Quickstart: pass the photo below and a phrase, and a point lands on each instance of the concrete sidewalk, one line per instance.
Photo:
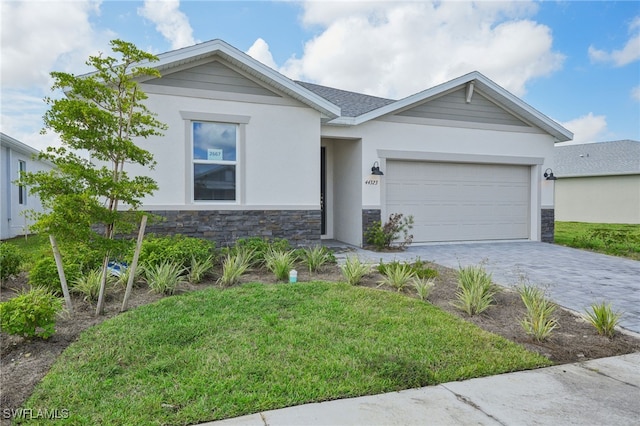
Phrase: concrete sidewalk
(599, 392)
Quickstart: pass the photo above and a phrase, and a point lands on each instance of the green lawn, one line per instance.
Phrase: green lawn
(614, 239)
(215, 353)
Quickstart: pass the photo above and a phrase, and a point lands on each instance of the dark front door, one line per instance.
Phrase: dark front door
(323, 190)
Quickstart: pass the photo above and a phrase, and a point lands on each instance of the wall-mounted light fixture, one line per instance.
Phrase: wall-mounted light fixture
(549, 175)
(375, 170)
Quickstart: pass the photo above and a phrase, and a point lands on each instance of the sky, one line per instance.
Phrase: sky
(576, 62)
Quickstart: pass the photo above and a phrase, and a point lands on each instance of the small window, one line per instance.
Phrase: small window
(22, 190)
(214, 161)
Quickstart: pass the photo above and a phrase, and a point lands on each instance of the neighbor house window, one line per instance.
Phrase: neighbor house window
(22, 190)
(215, 147)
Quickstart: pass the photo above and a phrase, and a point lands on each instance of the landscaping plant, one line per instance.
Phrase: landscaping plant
(199, 269)
(234, 266)
(316, 257)
(538, 321)
(394, 232)
(397, 275)
(354, 270)
(259, 247)
(88, 284)
(177, 249)
(10, 260)
(423, 287)
(475, 290)
(165, 277)
(603, 318)
(280, 263)
(31, 313)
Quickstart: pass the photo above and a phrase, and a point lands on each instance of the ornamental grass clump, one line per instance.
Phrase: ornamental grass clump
(280, 263)
(164, 278)
(538, 321)
(423, 287)
(475, 290)
(316, 257)
(397, 275)
(354, 270)
(234, 266)
(603, 318)
(88, 284)
(199, 269)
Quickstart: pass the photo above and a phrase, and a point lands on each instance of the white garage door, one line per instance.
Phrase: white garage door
(460, 202)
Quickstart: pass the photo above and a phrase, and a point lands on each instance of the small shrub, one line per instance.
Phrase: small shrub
(31, 313)
(88, 284)
(423, 287)
(475, 290)
(384, 236)
(259, 247)
(176, 249)
(603, 318)
(10, 260)
(538, 321)
(234, 266)
(316, 257)
(353, 270)
(165, 277)
(383, 267)
(397, 276)
(45, 274)
(199, 269)
(423, 271)
(280, 263)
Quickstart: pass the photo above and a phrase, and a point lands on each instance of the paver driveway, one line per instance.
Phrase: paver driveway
(574, 278)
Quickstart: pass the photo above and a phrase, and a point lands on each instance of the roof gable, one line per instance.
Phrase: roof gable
(212, 75)
(476, 81)
(598, 159)
(456, 106)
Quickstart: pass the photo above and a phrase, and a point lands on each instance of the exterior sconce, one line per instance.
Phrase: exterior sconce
(549, 176)
(375, 170)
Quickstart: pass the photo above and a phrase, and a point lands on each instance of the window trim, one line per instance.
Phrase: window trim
(241, 121)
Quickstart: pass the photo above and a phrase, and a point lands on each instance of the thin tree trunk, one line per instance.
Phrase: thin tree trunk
(134, 264)
(63, 279)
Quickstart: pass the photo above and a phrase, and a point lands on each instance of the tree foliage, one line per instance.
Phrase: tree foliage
(98, 122)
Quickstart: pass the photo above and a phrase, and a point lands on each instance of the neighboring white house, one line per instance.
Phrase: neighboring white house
(15, 157)
(598, 182)
(250, 152)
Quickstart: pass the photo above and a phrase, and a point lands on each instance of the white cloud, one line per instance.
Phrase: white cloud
(170, 21)
(635, 93)
(394, 49)
(40, 36)
(260, 52)
(588, 128)
(629, 53)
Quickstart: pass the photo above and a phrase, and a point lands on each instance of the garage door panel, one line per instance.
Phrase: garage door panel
(457, 202)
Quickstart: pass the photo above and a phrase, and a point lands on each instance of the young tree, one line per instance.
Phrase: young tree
(97, 121)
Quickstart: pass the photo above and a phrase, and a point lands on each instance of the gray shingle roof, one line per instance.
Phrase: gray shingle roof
(598, 159)
(352, 104)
